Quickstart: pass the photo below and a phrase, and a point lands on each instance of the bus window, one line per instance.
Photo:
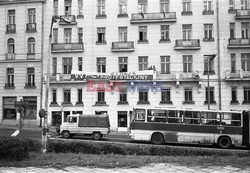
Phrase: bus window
(191, 117)
(174, 117)
(210, 118)
(155, 115)
(140, 115)
(231, 119)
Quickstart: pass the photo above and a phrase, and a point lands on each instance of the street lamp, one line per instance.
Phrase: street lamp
(210, 58)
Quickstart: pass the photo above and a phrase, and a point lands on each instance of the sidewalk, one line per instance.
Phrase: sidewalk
(157, 168)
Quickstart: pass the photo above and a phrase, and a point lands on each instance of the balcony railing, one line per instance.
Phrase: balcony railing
(10, 56)
(242, 14)
(67, 20)
(9, 86)
(153, 17)
(60, 77)
(238, 75)
(67, 47)
(31, 27)
(123, 46)
(238, 43)
(30, 85)
(11, 28)
(178, 75)
(187, 44)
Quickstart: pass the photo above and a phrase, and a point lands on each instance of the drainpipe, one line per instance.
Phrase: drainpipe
(218, 51)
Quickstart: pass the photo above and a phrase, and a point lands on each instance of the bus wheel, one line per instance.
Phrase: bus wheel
(157, 138)
(97, 135)
(66, 134)
(224, 142)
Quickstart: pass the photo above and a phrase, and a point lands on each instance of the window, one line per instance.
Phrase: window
(244, 30)
(55, 35)
(123, 96)
(54, 96)
(54, 66)
(246, 94)
(232, 30)
(65, 115)
(187, 31)
(140, 115)
(100, 7)
(208, 6)
(165, 33)
(31, 108)
(142, 6)
(79, 96)
(233, 63)
(80, 34)
(66, 96)
(187, 63)
(80, 8)
(143, 95)
(166, 95)
(55, 7)
(208, 32)
(234, 95)
(9, 110)
(101, 96)
(191, 117)
(30, 77)
(11, 17)
(31, 45)
(188, 95)
(143, 34)
(186, 6)
(67, 65)
(122, 6)
(101, 112)
(231, 5)
(123, 34)
(101, 35)
(32, 15)
(67, 35)
(67, 7)
(143, 63)
(101, 65)
(164, 6)
(244, 4)
(123, 64)
(72, 119)
(11, 47)
(211, 91)
(10, 77)
(208, 65)
(165, 64)
(122, 118)
(80, 63)
(245, 61)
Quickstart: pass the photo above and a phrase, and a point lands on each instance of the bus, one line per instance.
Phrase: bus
(160, 125)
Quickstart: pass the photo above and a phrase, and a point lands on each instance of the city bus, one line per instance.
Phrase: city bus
(160, 125)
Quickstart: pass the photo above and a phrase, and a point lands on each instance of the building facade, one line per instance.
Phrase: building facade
(163, 53)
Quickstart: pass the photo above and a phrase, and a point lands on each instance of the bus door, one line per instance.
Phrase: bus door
(246, 128)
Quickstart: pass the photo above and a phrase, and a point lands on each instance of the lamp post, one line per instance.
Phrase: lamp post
(210, 58)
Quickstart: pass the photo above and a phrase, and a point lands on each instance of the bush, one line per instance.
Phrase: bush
(128, 149)
(17, 149)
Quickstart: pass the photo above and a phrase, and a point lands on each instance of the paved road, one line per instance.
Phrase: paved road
(157, 168)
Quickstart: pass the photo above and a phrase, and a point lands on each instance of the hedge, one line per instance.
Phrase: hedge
(130, 149)
(17, 149)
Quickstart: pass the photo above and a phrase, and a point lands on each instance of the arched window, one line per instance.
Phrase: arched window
(31, 45)
(11, 46)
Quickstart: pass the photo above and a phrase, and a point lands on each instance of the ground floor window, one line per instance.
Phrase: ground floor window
(9, 110)
(66, 114)
(31, 109)
(56, 118)
(122, 118)
(101, 112)
(77, 112)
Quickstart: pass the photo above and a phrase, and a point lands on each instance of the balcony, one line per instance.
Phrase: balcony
(10, 56)
(123, 46)
(9, 86)
(30, 85)
(242, 14)
(66, 47)
(238, 43)
(238, 75)
(10, 28)
(30, 27)
(178, 75)
(153, 17)
(192, 44)
(67, 20)
(60, 78)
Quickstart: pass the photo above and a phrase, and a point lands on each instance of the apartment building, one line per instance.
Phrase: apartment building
(21, 55)
(163, 53)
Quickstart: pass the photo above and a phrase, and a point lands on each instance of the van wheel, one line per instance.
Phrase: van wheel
(66, 134)
(97, 135)
(224, 142)
(157, 138)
